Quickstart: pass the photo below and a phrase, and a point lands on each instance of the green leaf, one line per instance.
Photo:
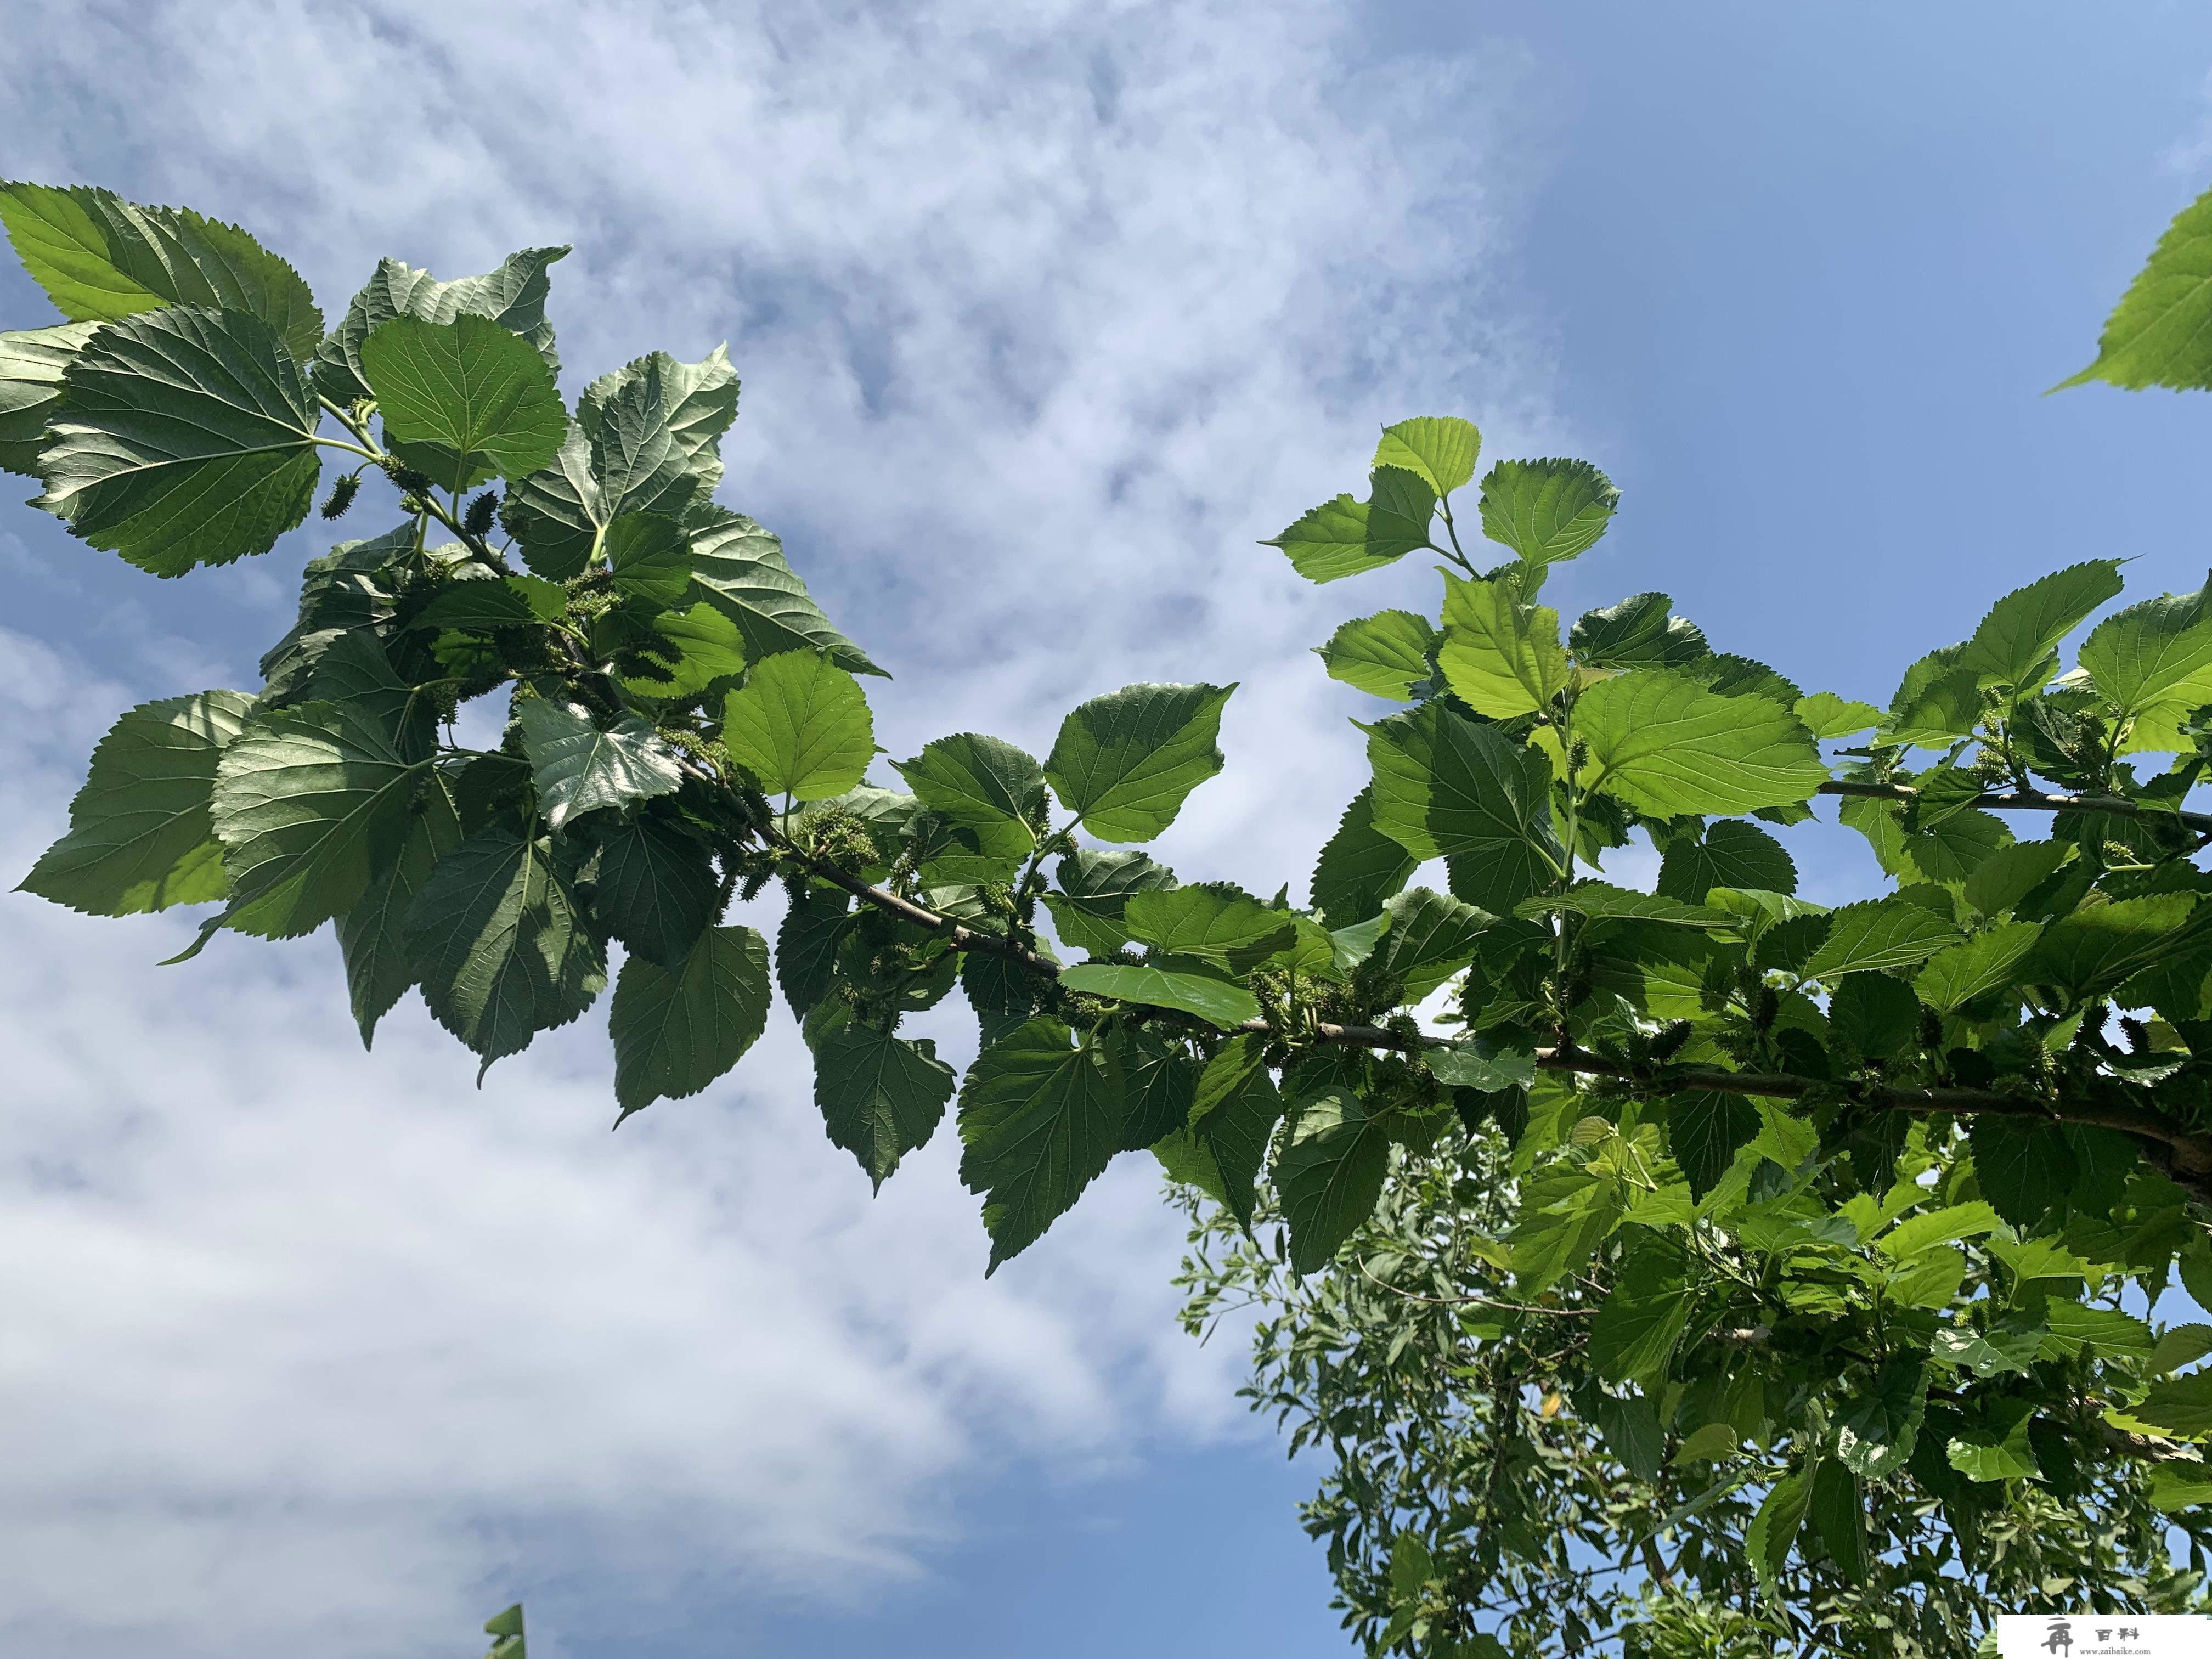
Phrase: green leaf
(1891, 932)
(1726, 854)
(513, 296)
(1233, 1117)
(1227, 1006)
(1360, 866)
(1502, 657)
(1641, 1320)
(801, 725)
(32, 361)
(98, 258)
(1934, 1228)
(1212, 921)
(372, 933)
(1040, 1119)
(1704, 1132)
(2153, 656)
(676, 1030)
(1640, 632)
(464, 400)
(1159, 1084)
(2178, 1486)
(2182, 1346)
(1441, 450)
(1125, 762)
(1430, 939)
(1481, 1063)
(1955, 977)
(1095, 888)
(1565, 1212)
(1329, 1173)
(1839, 1512)
(2160, 332)
(479, 607)
(1344, 538)
(1667, 745)
(652, 888)
(499, 945)
(740, 568)
(2098, 945)
(187, 438)
(2099, 1332)
(1546, 511)
(579, 768)
(2010, 874)
(2181, 1405)
(1827, 715)
(1774, 1529)
(2014, 644)
(1876, 1428)
(2024, 1166)
(648, 560)
(309, 803)
(984, 783)
(2001, 1451)
(1383, 654)
(655, 427)
(806, 945)
(140, 836)
(881, 1097)
(700, 650)
(1446, 786)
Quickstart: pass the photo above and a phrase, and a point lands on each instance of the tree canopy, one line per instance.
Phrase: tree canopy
(1796, 1254)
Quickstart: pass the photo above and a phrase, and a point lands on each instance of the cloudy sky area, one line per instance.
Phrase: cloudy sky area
(1046, 314)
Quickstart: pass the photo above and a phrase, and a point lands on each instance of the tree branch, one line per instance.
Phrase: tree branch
(2031, 800)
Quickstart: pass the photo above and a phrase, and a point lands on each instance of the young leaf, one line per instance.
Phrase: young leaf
(1704, 1132)
(499, 946)
(1213, 921)
(801, 724)
(32, 361)
(1827, 715)
(141, 836)
(464, 401)
(1095, 889)
(513, 296)
(1501, 657)
(1360, 866)
(740, 568)
(1344, 538)
(2160, 332)
(309, 803)
(1383, 654)
(1726, 853)
(2153, 656)
(1891, 932)
(371, 934)
(1225, 1004)
(1125, 762)
(1546, 511)
(579, 768)
(187, 438)
(2015, 642)
(654, 428)
(1445, 786)
(652, 888)
(1957, 975)
(1233, 1115)
(983, 782)
(676, 1030)
(1430, 939)
(98, 258)
(1639, 1322)
(1330, 1173)
(880, 1097)
(1640, 632)
(648, 560)
(1667, 745)
(1440, 450)
(1040, 1119)
(704, 651)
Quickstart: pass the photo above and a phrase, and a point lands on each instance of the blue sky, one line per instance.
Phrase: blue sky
(1046, 315)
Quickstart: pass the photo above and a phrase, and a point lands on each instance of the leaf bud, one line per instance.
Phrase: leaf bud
(478, 519)
(344, 488)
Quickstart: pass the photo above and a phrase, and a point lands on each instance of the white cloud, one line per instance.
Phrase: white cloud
(1046, 314)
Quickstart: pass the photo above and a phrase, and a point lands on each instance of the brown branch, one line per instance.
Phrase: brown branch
(2031, 800)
